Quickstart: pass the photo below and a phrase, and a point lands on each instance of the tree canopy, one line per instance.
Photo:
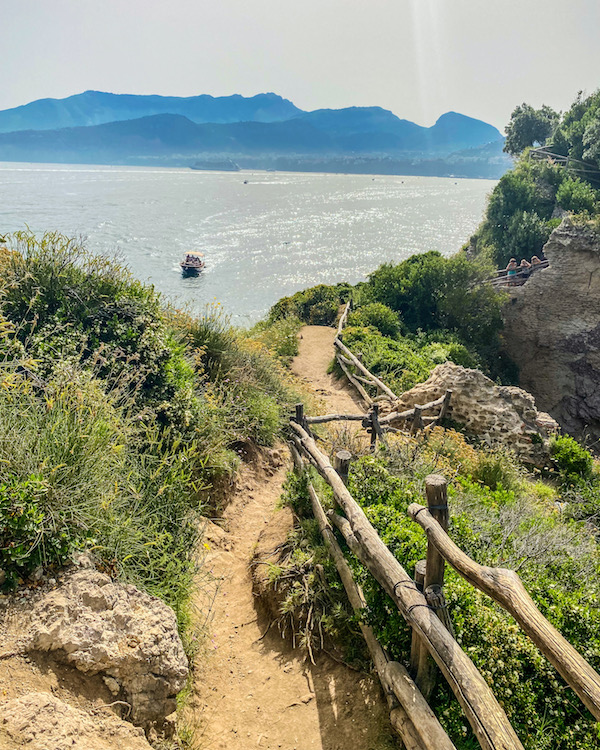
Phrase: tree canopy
(529, 127)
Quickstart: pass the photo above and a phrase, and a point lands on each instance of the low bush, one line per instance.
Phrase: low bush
(119, 416)
(378, 316)
(577, 196)
(316, 306)
(279, 337)
(571, 459)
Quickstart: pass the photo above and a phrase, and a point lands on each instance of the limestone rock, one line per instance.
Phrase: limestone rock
(41, 721)
(102, 627)
(499, 415)
(552, 329)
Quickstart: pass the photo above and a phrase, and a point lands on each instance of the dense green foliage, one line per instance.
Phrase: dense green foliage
(501, 519)
(409, 317)
(120, 418)
(529, 127)
(318, 305)
(578, 133)
(406, 361)
(518, 218)
(572, 460)
(379, 316)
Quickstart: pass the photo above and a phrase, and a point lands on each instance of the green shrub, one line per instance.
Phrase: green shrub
(379, 316)
(571, 459)
(323, 313)
(497, 469)
(280, 337)
(577, 196)
(317, 306)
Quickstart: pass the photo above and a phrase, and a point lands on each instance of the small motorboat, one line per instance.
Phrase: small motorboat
(193, 263)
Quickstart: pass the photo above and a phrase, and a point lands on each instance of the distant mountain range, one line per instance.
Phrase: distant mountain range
(258, 132)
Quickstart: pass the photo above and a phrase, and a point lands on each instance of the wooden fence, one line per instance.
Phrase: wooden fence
(425, 611)
(413, 419)
(421, 601)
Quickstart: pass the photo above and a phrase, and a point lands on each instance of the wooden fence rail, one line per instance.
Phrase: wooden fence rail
(430, 636)
(488, 720)
(505, 587)
(347, 360)
(410, 715)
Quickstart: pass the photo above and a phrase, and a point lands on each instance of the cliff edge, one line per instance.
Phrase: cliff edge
(552, 330)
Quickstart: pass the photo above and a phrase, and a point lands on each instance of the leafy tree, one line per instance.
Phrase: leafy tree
(591, 140)
(576, 195)
(528, 127)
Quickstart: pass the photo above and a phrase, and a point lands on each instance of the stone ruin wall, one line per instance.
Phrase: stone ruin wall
(498, 415)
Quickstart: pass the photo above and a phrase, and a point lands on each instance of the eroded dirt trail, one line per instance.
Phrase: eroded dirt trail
(315, 353)
(253, 690)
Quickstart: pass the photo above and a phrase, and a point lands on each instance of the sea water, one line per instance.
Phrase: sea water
(265, 235)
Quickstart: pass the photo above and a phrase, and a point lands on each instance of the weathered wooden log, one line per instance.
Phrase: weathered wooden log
(344, 318)
(436, 490)
(416, 643)
(428, 727)
(365, 396)
(505, 587)
(489, 722)
(296, 457)
(359, 365)
(417, 421)
(361, 379)
(445, 405)
(409, 413)
(299, 415)
(335, 418)
(437, 601)
(345, 360)
(395, 677)
(408, 720)
(341, 463)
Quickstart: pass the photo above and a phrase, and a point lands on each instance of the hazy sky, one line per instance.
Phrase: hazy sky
(419, 58)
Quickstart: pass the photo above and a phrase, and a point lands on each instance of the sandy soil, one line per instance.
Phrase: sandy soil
(315, 353)
(252, 689)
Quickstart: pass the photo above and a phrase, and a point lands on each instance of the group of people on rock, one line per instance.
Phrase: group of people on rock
(523, 269)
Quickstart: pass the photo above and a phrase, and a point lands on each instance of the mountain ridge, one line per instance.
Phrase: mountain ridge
(261, 128)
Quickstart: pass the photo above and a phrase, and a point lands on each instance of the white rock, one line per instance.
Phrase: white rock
(100, 626)
(41, 721)
(499, 415)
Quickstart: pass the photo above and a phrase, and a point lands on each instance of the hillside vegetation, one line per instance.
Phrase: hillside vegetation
(121, 419)
(543, 523)
(529, 201)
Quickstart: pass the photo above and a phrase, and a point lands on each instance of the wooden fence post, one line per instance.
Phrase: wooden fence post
(417, 423)
(299, 416)
(416, 643)
(341, 463)
(437, 504)
(445, 406)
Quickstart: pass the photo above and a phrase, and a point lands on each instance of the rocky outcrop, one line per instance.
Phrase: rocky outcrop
(552, 330)
(41, 721)
(103, 627)
(499, 415)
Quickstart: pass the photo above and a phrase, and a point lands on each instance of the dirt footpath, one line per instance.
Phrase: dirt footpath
(252, 689)
(314, 356)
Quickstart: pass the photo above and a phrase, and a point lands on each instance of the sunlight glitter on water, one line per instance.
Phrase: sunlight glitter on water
(279, 233)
